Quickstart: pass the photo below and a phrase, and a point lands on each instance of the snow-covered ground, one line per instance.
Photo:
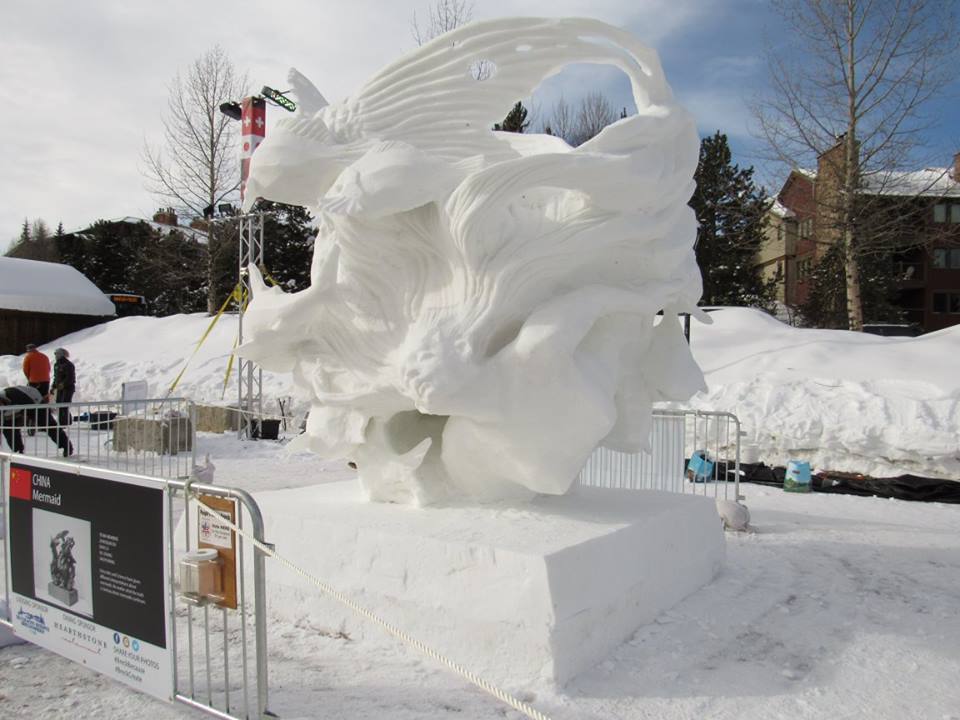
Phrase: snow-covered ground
(842, 400)
(836, 606)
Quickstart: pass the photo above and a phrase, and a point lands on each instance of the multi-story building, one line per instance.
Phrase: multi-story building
(919, 213)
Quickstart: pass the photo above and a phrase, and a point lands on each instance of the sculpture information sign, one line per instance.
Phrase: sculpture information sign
(88, 573)
(218, 535)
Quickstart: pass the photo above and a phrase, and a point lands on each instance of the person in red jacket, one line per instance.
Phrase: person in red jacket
(36, 366)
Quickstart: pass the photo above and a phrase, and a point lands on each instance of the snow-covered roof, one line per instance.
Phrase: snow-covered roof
(781, 210)
(930, 182)
(162, 228)
(34, 286)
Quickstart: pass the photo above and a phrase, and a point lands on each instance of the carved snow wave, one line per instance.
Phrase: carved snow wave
(483, 305)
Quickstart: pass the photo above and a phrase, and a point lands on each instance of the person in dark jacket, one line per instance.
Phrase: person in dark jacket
(41, 418)
(64, 382)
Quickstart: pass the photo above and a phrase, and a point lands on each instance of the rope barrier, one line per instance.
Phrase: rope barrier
(489, 688)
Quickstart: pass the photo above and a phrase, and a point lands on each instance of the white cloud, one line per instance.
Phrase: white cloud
(83, 84)
(721, 109)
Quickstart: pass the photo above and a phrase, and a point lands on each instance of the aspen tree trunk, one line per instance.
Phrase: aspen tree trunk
(851, 180)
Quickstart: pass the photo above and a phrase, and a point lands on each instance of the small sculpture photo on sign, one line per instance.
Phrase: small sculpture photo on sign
(62, 561)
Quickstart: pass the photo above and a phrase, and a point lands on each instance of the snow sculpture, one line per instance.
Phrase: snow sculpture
(483, 308)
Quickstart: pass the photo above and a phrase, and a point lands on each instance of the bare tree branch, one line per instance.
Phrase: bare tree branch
(444, 16)
(849, 94)
(593, 115)
(197, 165)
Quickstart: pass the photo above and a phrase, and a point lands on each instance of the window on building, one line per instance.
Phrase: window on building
(779, 269)
(946, 302)
(946, 212)
(804, 268)
(806, 228)
(944, 258)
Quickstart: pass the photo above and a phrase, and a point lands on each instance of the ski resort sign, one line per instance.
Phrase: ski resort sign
(88, 574)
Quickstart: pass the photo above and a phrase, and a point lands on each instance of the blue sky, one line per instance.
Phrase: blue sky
(83, 84)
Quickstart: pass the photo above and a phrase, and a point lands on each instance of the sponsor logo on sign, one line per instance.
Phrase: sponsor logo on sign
(34, 623)
(215, 532)
(80, 633)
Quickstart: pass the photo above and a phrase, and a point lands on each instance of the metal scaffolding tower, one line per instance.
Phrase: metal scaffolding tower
(250, 375)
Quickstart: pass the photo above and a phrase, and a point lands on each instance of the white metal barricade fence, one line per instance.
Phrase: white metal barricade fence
(691, 451)
(219, 653)
(145, 437)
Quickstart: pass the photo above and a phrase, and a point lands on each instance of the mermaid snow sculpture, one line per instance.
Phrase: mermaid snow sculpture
(484, 306)
(63, 569)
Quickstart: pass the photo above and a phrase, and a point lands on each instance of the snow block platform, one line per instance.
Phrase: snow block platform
(521, 594)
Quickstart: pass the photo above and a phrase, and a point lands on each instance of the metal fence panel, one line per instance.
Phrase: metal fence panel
(155, 437)
(676, 437)
(220, 654)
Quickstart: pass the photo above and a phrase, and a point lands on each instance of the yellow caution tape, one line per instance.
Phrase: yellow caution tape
(242, 299)
(234, 295)
(233, 351)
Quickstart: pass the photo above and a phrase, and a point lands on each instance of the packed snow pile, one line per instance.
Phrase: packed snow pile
(155, 350)
(843, 400)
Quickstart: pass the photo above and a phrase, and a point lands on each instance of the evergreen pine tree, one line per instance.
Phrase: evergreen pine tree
(289, 250)
(826, 304)
(730, 210)
(515, 121)
(112, 253)
(288, 238)
(72, 249)
(17, 245)
(172, 275)
(34, 243)
(40, 231)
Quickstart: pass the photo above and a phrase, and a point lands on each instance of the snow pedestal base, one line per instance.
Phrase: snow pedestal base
(519, 594)
(67, 597)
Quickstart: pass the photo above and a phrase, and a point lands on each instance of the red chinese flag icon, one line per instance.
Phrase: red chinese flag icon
(20, 483)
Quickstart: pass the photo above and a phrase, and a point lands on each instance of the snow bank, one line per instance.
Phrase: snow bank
(155, 350)
(843, 400)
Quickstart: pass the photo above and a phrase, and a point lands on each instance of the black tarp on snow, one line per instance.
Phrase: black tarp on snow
(903, 487)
